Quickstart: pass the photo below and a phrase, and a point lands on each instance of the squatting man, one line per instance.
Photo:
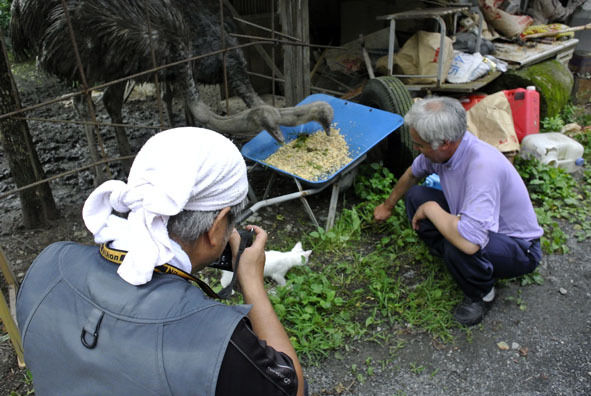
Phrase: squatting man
(482, 223)
(122, 319)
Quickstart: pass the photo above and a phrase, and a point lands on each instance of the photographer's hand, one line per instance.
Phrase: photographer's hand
(264, 321)
(234, 242)
(252, 260)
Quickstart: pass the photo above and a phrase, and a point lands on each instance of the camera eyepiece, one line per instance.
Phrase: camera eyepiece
(225, 261)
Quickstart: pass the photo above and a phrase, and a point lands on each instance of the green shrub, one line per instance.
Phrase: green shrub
(5, 14)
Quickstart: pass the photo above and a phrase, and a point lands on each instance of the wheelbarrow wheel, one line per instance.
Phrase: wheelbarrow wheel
(389, 93)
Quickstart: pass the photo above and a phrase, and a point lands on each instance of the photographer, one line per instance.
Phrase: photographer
(122, 318)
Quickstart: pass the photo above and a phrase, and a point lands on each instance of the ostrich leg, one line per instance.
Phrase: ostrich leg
(240, 85)
(247, 93)
(80, 104)
(113, 100)
(167, 97)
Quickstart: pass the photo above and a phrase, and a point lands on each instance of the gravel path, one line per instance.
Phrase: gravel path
(549, 345)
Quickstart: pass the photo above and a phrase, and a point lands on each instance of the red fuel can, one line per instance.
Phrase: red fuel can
(469, 101)
(525, 106)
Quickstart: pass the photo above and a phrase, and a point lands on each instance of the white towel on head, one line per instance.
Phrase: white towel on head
(182, 168)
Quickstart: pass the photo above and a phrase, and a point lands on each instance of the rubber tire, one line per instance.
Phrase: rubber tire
(389, 93)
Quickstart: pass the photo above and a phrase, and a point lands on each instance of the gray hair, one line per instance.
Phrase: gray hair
(188, 225)
(437, 120)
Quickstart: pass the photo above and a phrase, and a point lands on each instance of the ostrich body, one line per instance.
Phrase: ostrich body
(113, 39)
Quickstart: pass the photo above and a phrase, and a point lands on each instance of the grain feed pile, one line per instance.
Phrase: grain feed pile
(312, 156)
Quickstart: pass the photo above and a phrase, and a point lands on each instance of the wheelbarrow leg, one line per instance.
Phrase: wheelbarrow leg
(268, 188)
(306, 204)
(344, 181)
(332, 208)
(252, 197)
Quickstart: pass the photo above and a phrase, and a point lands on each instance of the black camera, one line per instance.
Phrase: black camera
(225, 261)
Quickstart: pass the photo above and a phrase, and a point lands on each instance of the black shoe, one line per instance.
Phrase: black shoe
(470, 312)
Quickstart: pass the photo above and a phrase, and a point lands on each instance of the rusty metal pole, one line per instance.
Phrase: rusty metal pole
(226, 89)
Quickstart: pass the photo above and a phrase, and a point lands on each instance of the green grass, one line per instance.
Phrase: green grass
(557, 196)
(27, 384)
(363, 290)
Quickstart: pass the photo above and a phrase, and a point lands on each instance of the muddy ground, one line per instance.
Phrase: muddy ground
(546, 327)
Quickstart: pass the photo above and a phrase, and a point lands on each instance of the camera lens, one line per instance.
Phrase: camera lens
(225, 261)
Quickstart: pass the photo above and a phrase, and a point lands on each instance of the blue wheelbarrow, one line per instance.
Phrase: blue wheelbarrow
(362, 127)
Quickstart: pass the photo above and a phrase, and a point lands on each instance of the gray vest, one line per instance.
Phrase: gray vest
(87, 332)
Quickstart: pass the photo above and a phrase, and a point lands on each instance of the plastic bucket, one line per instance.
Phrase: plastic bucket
(554, 149)
(469, 101)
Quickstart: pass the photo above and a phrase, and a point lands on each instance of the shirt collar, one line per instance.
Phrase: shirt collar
(460, 152)
(181, 259)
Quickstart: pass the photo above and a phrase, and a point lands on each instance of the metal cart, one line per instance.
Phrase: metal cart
(437, 14)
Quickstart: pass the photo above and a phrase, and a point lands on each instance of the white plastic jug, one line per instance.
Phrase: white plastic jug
(554, 149)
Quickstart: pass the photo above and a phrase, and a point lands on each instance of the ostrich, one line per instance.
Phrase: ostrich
(113, 39)
(202, 19)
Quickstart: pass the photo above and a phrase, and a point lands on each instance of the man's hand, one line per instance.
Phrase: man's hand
(421, 214)
(382, 212)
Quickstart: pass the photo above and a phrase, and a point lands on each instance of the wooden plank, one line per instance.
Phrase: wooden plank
(460, 88)
(12, 301)
(424, 13)
(8, 311)
(6, 271)
(518, 55)
(296, 61)
(12, 330)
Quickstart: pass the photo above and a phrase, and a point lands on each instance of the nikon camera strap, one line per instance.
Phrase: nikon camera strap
(116, 256)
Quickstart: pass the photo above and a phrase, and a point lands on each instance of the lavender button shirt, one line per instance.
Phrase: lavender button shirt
(483, 187)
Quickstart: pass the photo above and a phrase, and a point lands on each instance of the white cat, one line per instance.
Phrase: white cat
(277, 264)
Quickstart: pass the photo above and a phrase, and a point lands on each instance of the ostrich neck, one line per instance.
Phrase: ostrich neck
(236, 124)
(298, 115)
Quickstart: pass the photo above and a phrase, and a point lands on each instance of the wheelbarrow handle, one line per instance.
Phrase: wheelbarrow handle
(243, 216)
(272, 201)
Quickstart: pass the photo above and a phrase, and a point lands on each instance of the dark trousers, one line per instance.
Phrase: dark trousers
(502, 257)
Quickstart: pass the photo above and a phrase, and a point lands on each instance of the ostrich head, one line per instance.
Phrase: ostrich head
(323, 113)
(268, 118)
